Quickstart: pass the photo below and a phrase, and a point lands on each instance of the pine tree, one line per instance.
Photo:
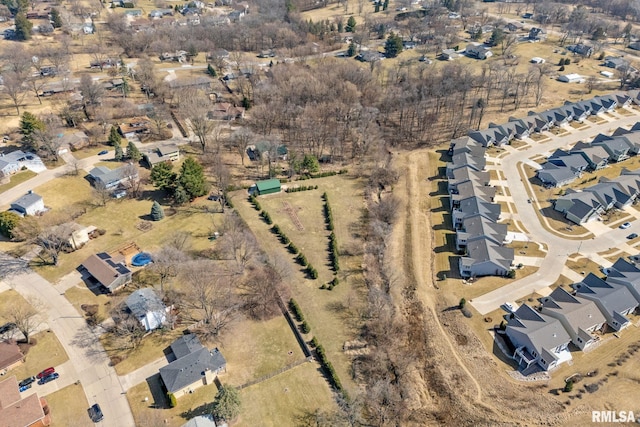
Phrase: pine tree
(133, 153)
(162, 176)
(119, 155)
(180, 196)
(351, 25)
(227, 403)
(56, 20)
(393, 46)
(114, 137)
(352, 49)
(23, 27)
(192, 178)
(29, 124)
(157, 213)
(211, 71)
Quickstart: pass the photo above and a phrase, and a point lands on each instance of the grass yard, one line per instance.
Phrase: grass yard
(8, 299)
(285, 399)
(527, 249)
(47, 352)
(85, 152)
(580, 264)
(69, 407)
(17, 179)
(66, 191)
(79, 295)
(332, 315)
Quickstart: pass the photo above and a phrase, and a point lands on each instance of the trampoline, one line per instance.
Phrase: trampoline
(141, 259)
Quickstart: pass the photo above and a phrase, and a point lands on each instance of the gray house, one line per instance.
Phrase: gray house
(579, 207)
(109, 272)
(109, 178)
(464, 174)
(146, 306)
(538, 339)
(465, 160)
(478, 51)
(614, 301)
(476, 227)
(485, 258)
(470, 189)
(195, 366)
(475, 206)
(579, 316)
(616, 62)
(556, 176)
(29, 204)
(626, 274)
(595, 155)
(575, 161)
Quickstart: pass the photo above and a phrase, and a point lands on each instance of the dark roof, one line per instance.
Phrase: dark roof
(27, 200)
(144, 301)
(190, 368)
(185, 345)
(104, 268)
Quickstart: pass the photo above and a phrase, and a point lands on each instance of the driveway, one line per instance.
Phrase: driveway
(559, 248)
(89, 362)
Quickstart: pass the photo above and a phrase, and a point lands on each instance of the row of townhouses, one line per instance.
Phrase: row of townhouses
(541, 335)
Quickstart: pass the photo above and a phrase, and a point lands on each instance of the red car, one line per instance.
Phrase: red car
(45, 373)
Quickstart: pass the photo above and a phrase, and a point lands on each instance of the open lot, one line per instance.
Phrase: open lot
(69, 407)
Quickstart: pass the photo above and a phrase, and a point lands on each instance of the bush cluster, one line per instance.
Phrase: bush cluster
(333, 376)
(302, 188)
(314, 342)
(305, 328)
(295, 309)
(267, 218)
(328, 215)
(333, 252)
(322, 174)
(254, 201)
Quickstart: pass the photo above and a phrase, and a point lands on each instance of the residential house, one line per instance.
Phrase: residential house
(579, 112)
(615, 301)
(263, 149)
(634, 45)
(537, 34)
(10, 356)
(147, 307)
(16, 411)
(195, 366)
(579, 316)
(29, 204)
(485, 258)
(109, 179)
(169, 152)
(581, 49)
(159, 13)
(475, 206)
(507, 129)
(449, 54)
(575, 161)
(624, 273)
(579, 207)
(12, 162)
(108, 271)
(465, 174)
(75, 140)
(369, 56)
(133, 125)
(466, 144)
(571, 78)
(514, 27)
(595, 155)
(523, 127)
(489, 137)
(469, 189)
(617, 148)
(538, 339)
(219, 54)
(616, 62)
(478, 51)
(478, 226)
(608, 102)
(552, 175)
(200, 421)
(225, 111)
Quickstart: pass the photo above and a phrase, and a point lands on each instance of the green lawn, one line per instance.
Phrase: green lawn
(47, 352)
(69, 407)
(16, 179)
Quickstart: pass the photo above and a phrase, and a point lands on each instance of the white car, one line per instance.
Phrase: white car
(625, 225)
(510, 307)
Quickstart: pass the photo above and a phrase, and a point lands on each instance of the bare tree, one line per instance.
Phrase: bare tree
(52, 241)
(261, 291)
(195, 107)
(92, 93)
(27, 316)
(239, 141)
(101, 193)
(17, 59)
(15, 88)
(237, 243)
(209, 297)
(166, 264)
(180, 240)
(46, 140)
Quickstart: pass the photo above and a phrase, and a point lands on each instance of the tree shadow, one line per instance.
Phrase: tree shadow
(10, 266)
(204, 409)
(88, 341)
(453, 272)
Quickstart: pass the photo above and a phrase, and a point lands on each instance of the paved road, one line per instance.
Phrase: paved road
(559, 248)
(89, 362)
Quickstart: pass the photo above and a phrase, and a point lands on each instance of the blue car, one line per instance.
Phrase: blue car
(103, 152)
(24, 388)
(48, 378)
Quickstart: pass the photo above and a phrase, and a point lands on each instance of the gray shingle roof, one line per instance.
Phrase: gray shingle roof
(190, 368)
(186, 344)
(143, 301)
(28, 200)
(580, 313)
(542, 331)
(614, 297)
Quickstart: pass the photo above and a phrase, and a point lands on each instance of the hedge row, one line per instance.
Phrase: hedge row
(321, 174)
(254, 201)
(328, 215)
(333, 252)
(302, 188)
(295, 309)
(300, 258)
(333, 377)
(267, 218)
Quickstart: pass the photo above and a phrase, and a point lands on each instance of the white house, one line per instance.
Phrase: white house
(571, 78)
(29, 204)
(146, 306)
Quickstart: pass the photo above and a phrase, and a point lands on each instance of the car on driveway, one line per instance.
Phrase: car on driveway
(46, 373)
(95, 413)
(632, 236)
(27, 381)
(48, 378)
(24, 388)
(103, 152)
(625, 225)
(510, 307)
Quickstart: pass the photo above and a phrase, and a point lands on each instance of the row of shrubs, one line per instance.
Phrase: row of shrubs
(267, 218)
(254, 201)
(301, 188)
(328, 215)
(297, 314)
(300, 258)
(333, 252)
(333, 376)
(332, 284)
(322, 174)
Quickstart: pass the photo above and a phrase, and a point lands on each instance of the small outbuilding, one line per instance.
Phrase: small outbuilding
(571, 78)
(268, 186)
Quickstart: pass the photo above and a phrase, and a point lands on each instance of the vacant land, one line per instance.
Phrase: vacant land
(69, 407)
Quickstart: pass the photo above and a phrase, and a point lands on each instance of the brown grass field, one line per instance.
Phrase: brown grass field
(69, 407)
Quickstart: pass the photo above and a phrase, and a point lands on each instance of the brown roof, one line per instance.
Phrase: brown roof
(17, 412)
(9, 353)
(101, 267)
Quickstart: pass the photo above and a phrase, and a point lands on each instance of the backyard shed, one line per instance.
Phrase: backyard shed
(268, 186)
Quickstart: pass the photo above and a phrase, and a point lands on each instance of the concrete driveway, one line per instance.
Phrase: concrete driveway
(559, 248)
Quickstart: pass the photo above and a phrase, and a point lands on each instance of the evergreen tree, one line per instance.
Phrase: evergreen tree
(352, 49)
(29, 124)
(393, 46)
(119, 154)
(385, 5)
(162, 176)
(23, 27)
(310, 163)
(114, 137)
(180, 196)
(351, 25)
(125, 87)
(340, 26)
(211, 71)
(157, 213)
(376, 8)
(192, 178)
(227, 403)
(8, 221)
(133, 153)
(56, 20)
(497, 37)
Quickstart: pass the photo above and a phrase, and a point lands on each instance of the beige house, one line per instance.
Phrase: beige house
(10, 356)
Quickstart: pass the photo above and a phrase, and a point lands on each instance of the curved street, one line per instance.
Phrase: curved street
(558, 248)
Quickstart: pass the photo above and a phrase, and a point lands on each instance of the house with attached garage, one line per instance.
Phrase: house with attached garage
(195, 366)
(476, 227)
(147, 307)
(485, 258)
(111, 178)
(624, 273)
(464, 174)
(475, 206)
(617, 148)
(465, 160)
(575, 161)
(478, 51)
(10, 356)
(470, 189)
(107, 271)
(466, 145)
(489, 137)
(553, 175)
(596, 156)
(164, 153)
(579, 316)
(579, 206)
(615, 301)
(29, 204)
(539, 339)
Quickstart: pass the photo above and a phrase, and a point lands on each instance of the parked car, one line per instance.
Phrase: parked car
(95, 413)
(24, 388)
(46, 373)
(48, 378)
(625, 225)
(7, 327)
(103, 152)
(27, 381)
(510, 307)
(632, 236)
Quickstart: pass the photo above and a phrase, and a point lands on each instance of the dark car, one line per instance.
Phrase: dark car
(103, 152)
(7, 327)
(46, 373)
(632, 236)
(24, 388)
(48, 378)
(95, 413)
(27, 381)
